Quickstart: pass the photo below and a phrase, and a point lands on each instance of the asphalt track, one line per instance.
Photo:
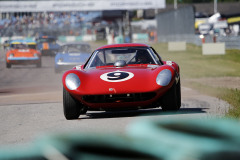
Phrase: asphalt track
(31, 106)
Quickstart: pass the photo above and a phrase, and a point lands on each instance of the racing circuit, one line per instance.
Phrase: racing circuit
(31, 105)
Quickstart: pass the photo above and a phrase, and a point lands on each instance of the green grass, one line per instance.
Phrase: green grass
(232, 96)
(195, 65)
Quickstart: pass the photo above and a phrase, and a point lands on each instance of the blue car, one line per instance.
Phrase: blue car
(47, 45)
(71, 55)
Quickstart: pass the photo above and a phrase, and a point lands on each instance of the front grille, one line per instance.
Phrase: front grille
(116, 98)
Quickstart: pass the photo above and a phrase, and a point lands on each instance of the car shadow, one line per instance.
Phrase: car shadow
(140, 112)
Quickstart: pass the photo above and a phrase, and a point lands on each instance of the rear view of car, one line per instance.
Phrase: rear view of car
(71, 55)
(47, 45)
(21, 54)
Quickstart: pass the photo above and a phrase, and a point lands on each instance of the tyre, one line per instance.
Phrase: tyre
(178, 92)
(8, 65)
(171, 101)
(71, 107)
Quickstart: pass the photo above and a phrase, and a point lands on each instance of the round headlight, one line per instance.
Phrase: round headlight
(72, 81)
(164, 77)
(11, 55)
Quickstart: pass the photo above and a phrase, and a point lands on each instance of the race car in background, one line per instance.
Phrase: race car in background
(6, 44)
(70, 55)
(121, 77)
(47, 45)
(31, 44)
(20, 54)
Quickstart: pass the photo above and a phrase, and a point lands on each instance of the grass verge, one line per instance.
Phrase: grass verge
(195, 65)
(232, 96)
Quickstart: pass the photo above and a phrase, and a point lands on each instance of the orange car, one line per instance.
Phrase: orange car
(22, 52)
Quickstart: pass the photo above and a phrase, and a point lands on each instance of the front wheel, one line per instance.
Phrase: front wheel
(71, 107)
(171, 101)
(8, 65)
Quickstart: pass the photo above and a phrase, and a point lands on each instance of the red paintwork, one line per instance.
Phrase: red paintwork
(144, 80)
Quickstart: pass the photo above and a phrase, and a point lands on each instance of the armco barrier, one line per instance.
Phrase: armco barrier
(77, 38)
(2, 39)
(60, 38)
(140, 38)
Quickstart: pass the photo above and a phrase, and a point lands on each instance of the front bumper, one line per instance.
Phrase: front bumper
(23, 60)
(122, 101)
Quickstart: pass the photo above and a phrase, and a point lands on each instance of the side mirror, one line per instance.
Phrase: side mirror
(120, 63)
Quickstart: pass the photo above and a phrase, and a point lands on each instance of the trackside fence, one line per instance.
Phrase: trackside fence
(231, 42)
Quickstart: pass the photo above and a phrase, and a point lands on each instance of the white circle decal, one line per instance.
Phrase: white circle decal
(116, 76)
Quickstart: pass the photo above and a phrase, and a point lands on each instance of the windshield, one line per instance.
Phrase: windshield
(32, 46)
(75, 48)
(19, 46)
(106, 57)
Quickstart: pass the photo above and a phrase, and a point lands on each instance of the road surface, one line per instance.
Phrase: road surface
(31, 106)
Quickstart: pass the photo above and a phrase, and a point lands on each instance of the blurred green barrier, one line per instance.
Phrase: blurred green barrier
(160, 139)
(208, 139)
(30, 152)
(79, 146)
(95, 147)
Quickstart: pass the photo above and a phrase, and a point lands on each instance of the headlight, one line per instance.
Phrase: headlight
(11, 55)
(35, 55)
(72, 81)
(164, 77)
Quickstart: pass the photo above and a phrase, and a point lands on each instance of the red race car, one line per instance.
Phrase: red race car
(121, 76)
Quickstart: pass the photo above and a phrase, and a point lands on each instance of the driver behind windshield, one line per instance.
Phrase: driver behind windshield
(143, 57)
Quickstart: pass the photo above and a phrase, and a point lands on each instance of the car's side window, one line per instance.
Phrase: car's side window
(143, 57)
(157, 56)
(96, 60)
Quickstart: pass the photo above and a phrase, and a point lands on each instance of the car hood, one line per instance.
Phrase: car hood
(112, 80)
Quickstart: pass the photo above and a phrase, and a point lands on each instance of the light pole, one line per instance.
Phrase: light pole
(175, 4)
(215, 6)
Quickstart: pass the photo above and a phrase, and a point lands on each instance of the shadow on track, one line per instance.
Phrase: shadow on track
(141, 112)
(28, 67)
